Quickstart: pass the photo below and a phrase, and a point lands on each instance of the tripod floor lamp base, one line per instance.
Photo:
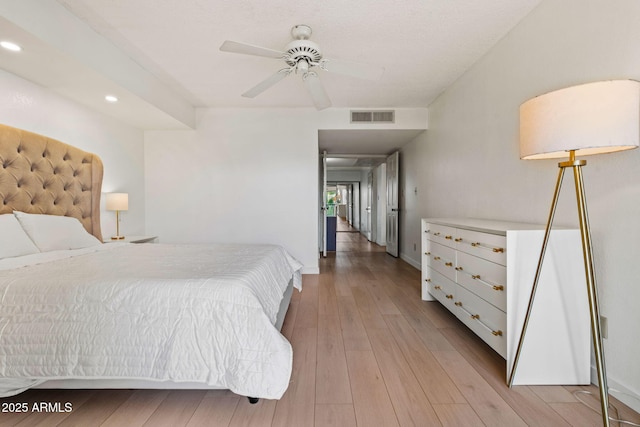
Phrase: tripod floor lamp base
(585, 234)
(587, 119)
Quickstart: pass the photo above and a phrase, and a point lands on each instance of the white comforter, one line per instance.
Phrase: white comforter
(196, 313)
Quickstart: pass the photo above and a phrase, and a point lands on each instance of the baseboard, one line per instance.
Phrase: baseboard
(310, 270)
(412, 262)
(625, 395)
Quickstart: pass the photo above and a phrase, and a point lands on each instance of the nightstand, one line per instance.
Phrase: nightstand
(135, 239)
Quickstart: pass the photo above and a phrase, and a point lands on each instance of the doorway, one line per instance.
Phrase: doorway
(342, 199)
(351, 154)
(360, 197)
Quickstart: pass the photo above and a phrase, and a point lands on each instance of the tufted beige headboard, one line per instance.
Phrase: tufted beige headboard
(45, 176)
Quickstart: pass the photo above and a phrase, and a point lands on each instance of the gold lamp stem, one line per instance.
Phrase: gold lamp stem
(587, 253)
(596, 330)
(117, 236)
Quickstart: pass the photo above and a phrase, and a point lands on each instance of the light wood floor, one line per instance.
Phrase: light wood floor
(367, 352)
(343, 226)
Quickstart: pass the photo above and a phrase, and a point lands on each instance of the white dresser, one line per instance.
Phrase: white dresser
(483, 271)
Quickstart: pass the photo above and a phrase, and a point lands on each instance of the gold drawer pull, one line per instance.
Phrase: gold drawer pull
(437, 287)
(427, 253)
(477, 317)
(436, 234)
(458, 303)
(427, 231)
(494, 287)
(448, 264)
(480, 245)
(427, 280)
(459, 239)
(448, 237)
(484, 282)
(437, 258)
(449, 296)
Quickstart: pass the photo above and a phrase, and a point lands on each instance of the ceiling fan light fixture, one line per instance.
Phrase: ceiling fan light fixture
(302, 67)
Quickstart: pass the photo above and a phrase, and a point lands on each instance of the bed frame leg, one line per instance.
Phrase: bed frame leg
(253, 400)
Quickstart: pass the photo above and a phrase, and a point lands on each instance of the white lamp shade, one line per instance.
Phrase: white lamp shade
(592, 118)
(117, 201)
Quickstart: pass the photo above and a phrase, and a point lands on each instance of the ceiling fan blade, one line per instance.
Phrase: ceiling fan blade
(353, 69)
(267, 83)
(316, 90)
(247, 49)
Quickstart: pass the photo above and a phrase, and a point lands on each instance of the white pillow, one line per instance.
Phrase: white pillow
(13, 239)
(55, 232)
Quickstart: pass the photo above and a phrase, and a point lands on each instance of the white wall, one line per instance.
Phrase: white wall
(243, 176)
(31, 107)
(344, 175)
(467, 164)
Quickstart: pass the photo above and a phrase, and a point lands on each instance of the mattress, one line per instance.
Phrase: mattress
(180, 313)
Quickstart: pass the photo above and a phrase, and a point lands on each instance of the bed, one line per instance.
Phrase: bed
(77, 313)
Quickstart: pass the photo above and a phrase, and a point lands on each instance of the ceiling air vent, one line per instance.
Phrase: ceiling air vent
(373, 116)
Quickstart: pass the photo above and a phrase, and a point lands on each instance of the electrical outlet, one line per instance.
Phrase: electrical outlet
(604, 327)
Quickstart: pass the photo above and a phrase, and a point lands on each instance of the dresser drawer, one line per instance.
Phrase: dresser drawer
(484, 278)
(442, 259)
(441, 234)
(483, 245)
(441, 288)
(484, 319)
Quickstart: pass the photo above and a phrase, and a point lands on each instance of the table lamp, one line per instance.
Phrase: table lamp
(593, 118)
(117, 202)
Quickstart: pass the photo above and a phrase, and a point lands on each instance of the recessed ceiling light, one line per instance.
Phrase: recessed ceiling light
(10, 46)
(111, 98)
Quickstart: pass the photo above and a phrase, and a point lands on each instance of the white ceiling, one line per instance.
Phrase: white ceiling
(424, 46)
(362, 148)
(365, 141)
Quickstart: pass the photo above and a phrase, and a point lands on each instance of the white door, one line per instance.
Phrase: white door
(393, 162)
(368, 208)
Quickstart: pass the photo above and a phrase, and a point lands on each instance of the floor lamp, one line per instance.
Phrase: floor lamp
(593, 118)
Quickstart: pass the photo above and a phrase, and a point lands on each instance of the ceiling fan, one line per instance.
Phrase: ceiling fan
(302, 56)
